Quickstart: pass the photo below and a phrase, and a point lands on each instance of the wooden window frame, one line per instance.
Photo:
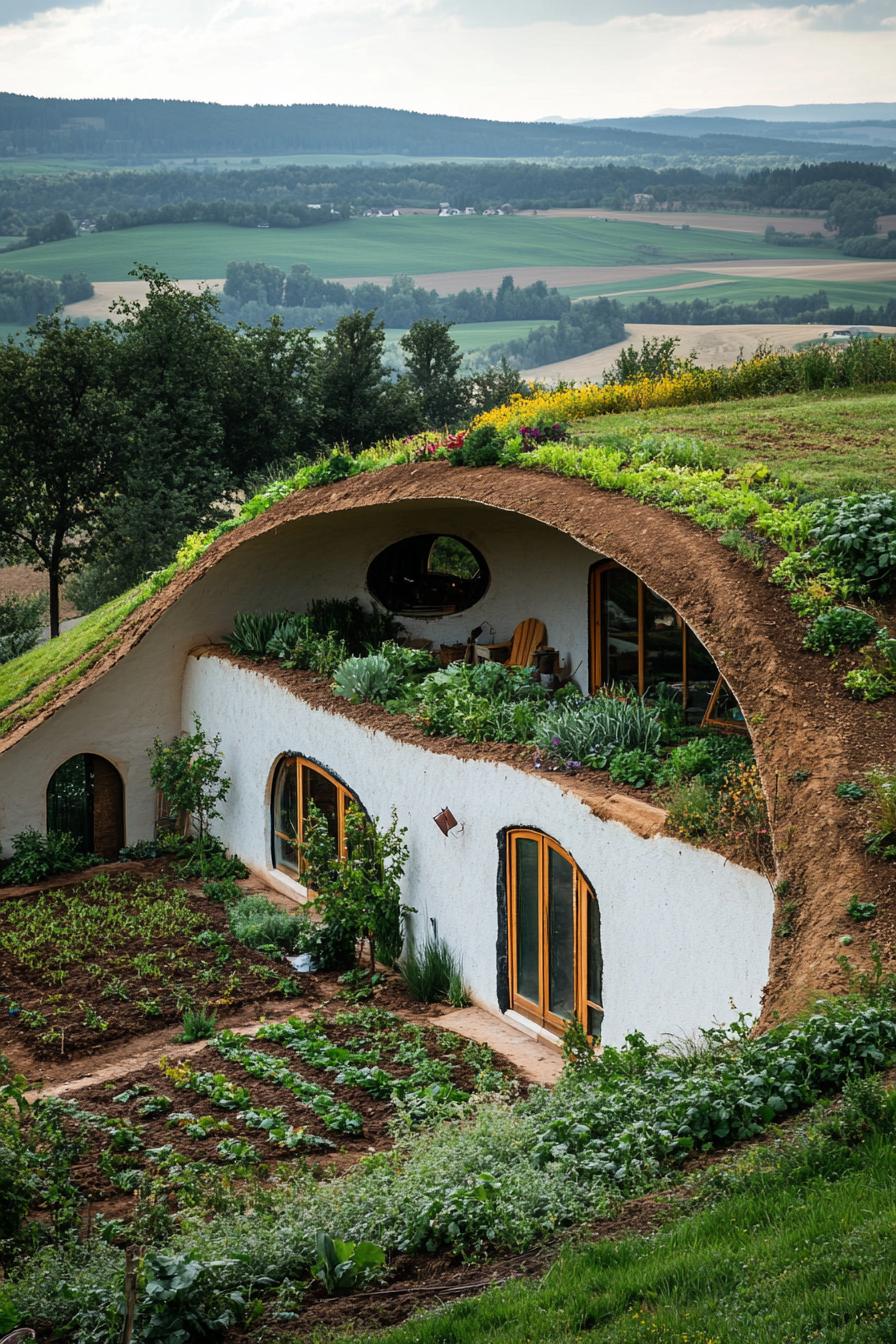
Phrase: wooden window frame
(582, 890)
(344, 797)
(596, 670)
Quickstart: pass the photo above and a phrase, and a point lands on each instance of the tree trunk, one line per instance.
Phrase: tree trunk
(54, 603)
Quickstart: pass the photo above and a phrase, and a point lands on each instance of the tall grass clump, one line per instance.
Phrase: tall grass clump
(592, 729)
(433, 974)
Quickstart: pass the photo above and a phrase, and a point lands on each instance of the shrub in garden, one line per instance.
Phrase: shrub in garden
(257, 923)
(481, 702)
(188, 774)
(839, 628)
(691, 809)
(199, 1024)
(381, 676)
(358, 627)
(592, 729)
(706, 758)
(481, 447)
(36, 856)
(21, 621)
(359, 892)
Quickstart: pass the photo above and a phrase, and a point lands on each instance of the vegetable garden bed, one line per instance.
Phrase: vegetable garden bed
(120, 955)
(328, 1091)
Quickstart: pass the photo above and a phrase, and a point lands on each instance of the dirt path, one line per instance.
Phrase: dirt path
(713, 344)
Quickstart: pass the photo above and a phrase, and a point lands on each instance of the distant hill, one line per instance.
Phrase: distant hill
(702, 126)
(817, 112)
(152, 128)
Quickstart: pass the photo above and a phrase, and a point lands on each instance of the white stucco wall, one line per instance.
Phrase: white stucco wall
(683, 931)
(536, 571)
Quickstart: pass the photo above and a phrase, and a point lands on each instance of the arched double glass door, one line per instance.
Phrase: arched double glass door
(556, 969)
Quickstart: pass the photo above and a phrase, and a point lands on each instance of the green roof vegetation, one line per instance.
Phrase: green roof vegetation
(829, 442)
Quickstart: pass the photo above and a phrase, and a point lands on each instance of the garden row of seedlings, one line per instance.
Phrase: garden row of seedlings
(295, 1089)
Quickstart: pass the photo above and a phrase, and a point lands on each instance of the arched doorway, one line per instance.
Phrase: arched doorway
(86, 798)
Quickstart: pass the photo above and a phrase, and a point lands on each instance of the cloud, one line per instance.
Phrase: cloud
(848, 15)
(20, 11)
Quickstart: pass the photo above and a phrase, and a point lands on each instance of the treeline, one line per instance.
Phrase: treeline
(168, 414)
(589, 325)
(24, 297)
(143, 127)
(254, 291)
(878, 246)
(850, 194)
(815, 308)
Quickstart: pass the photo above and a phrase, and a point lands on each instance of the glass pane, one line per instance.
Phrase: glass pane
(322, 792)
(285, 854)
(528, 977)
(286, 807)
(561, 936)
(702, 677)
(619, 626)
(663, 652)
(70, 801)
(595, 969)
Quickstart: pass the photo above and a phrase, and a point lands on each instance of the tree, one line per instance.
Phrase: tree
(187, 773)
(433, 362)
(359, 402)
(63, 430)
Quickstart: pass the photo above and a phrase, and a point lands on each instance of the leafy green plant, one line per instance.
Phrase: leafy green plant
(432, 973)
(366, 678)
(861, 911)
(36, 856)
(850, 790)
(636, 768)
(199, 1024)
(856, 536)
(358, 627)
(876, 677)
(342, 1266)
(706, 758)
(839, 628)
(224, 890)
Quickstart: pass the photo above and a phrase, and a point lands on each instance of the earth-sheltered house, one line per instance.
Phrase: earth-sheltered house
(560, 894)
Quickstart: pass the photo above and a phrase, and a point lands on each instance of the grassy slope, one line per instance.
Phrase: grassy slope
(785, 1264)
(53, 659)
(414, 243)
(471, 336)
(830, 443)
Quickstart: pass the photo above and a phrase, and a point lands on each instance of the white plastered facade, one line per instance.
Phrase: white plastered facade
(683, 931)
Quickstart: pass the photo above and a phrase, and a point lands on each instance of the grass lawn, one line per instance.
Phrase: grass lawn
(829, 442)
(411, 243)
(780, 1263)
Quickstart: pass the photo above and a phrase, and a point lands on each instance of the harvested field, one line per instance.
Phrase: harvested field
(105, 292)
(713, 345)
(703, 219)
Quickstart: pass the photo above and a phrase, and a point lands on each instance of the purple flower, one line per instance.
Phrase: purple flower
(555, 741)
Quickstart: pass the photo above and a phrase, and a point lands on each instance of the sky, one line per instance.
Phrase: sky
(503, 59)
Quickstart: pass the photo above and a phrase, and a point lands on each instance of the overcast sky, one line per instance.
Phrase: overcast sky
(508, 59)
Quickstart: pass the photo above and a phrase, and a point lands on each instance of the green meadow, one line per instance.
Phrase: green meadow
(409, 243)
(736, 289)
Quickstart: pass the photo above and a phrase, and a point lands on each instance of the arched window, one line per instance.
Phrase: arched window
(553, 922)
(86, 798)
(297, 784)
(428, 575)
(637, 639)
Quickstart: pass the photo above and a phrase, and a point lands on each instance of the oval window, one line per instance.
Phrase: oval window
(428, 575)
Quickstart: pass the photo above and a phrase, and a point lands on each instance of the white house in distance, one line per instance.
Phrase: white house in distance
(560, 895)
